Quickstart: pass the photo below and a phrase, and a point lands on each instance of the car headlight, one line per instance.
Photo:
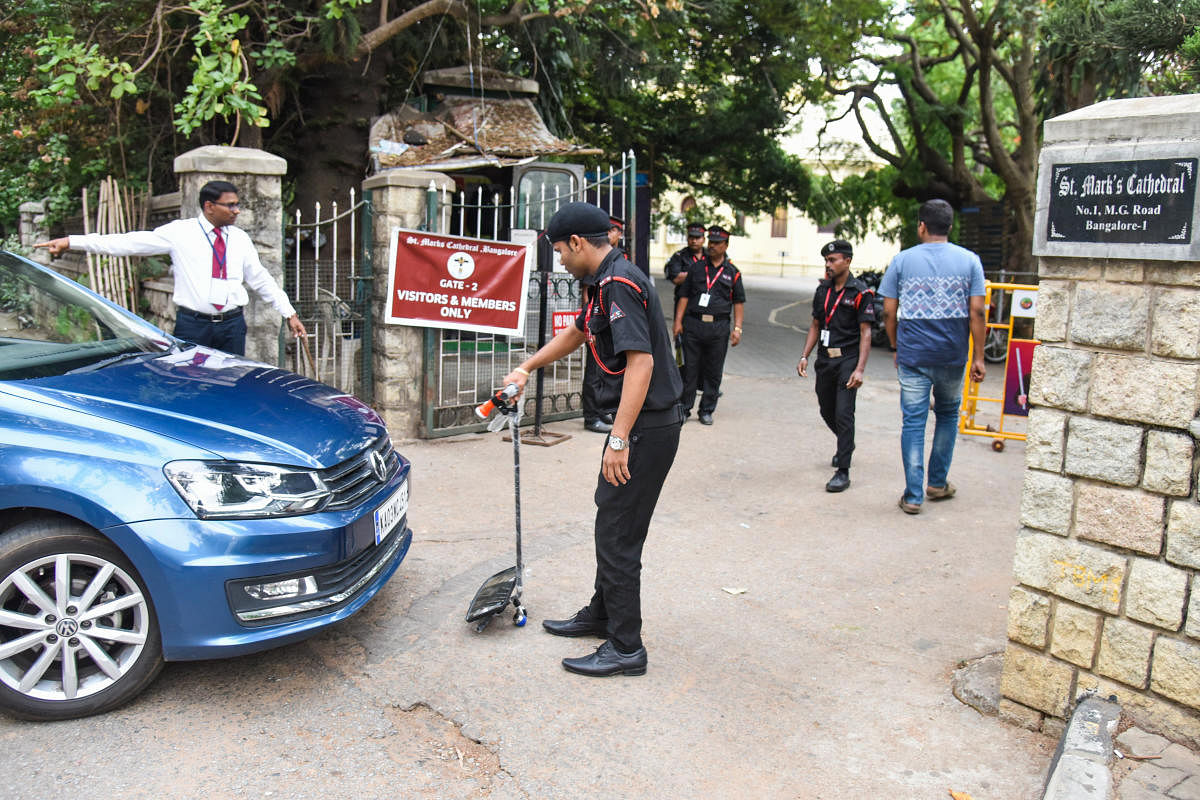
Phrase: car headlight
(223, 490)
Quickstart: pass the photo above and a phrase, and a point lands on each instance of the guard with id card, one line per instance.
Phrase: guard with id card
(843, 312)
(709, 298)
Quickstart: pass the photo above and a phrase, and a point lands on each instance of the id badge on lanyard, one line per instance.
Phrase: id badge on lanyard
(829, 314)
(707, 296)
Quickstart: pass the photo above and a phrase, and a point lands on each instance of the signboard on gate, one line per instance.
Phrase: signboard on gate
(438, 281)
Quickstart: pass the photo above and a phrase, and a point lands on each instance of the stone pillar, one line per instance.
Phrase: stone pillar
(258, 176)
(1107, 565)
(33, 229)
(398, 198)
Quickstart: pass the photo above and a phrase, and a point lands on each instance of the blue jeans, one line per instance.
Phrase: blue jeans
(916, 384)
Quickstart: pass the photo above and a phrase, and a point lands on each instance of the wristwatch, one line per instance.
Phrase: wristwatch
(617, 443)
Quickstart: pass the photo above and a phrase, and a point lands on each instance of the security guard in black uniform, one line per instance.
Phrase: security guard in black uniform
(622, 325)
(843, 311)
(682, 260)
(594, 419)
(712, 293)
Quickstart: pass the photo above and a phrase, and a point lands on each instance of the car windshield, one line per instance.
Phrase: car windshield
(50, 325)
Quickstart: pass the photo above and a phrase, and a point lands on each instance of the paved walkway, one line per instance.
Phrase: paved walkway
(1154, 768)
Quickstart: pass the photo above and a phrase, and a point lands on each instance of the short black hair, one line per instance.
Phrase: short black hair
(595, 239)
(211, 192)
(937, 215)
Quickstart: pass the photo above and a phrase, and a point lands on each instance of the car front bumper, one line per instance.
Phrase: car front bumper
(196, 570)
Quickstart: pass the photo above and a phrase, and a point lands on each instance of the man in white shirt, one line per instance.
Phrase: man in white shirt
(212, 260)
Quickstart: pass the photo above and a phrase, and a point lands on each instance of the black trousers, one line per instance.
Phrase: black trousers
(837, 402)
(704, 347)
(622, 520)
(587, 394)
(228, 334)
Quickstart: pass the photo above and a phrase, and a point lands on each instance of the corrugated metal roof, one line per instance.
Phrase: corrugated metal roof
(465, 129)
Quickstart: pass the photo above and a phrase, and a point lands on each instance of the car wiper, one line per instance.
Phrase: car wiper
(117, 359)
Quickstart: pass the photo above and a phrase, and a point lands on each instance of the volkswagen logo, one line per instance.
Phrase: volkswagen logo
(67, 628)
(378, 466)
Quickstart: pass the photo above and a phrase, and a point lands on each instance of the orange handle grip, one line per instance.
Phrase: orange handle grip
(501, 396)
(485, 409)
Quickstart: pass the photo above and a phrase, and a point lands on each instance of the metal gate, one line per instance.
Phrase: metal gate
(328, 277)
(462, 368)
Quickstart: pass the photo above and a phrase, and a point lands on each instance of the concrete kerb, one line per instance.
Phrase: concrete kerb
(1080, 769)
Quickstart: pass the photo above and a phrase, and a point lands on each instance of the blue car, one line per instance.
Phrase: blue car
(161, 501)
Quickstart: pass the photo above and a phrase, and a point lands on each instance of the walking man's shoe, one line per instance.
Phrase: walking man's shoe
(705, 418)
(607, 660)
(582, 624)
(840, 481)
(909, 508)
(940, 492)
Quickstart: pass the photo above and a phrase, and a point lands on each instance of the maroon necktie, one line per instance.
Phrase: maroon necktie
(218, 267)
(218, 264)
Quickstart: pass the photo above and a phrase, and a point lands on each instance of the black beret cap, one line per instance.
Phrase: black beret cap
(615, 222)
(718, 234)
(695, 229)
(577, 219)
(837, 246)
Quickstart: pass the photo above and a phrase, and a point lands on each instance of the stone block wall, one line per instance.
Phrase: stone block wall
(398, 198)
(1107, 563)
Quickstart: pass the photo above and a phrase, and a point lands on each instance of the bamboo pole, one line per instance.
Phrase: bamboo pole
(121, 225)
(103, 227)
(91, 260)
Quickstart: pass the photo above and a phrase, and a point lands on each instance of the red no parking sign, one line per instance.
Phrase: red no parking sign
(438, 281)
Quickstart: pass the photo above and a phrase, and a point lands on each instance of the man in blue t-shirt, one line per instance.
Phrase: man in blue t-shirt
(932, 301)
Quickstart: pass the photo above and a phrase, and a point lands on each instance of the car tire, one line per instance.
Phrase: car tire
(78, 632)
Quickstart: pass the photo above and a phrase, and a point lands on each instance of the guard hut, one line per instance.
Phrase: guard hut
(1107, 566)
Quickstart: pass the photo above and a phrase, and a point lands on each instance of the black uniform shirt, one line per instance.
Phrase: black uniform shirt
(682, 261)
(726, 288)
(841, 311)
(623, 312)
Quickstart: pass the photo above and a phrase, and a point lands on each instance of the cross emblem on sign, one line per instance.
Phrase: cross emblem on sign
(460, 265)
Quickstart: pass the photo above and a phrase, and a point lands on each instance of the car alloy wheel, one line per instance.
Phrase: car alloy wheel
(78, 634)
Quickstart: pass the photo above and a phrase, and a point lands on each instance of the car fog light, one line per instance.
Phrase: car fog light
(282, 590)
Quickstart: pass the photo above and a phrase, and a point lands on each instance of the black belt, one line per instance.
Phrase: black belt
(658, 418)
(708, 317)
(233, 313)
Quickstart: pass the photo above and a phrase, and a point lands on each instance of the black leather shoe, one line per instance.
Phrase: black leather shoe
(840, 481)
(608, 418)
(608, 661)
(582, 624)
(705, 419)
(598, 426)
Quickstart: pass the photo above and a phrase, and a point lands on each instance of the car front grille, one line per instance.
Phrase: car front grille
(354, 479)
(335, 585)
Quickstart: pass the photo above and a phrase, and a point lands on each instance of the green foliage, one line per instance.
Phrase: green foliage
(14, 295)
(701, 91)
(75, 324)
(221, 85)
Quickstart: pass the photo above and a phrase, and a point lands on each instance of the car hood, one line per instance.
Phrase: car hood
(237, 409)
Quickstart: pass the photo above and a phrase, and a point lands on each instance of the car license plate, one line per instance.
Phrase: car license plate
(391, 512)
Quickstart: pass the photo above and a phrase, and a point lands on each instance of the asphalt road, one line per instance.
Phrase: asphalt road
(800, 643)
